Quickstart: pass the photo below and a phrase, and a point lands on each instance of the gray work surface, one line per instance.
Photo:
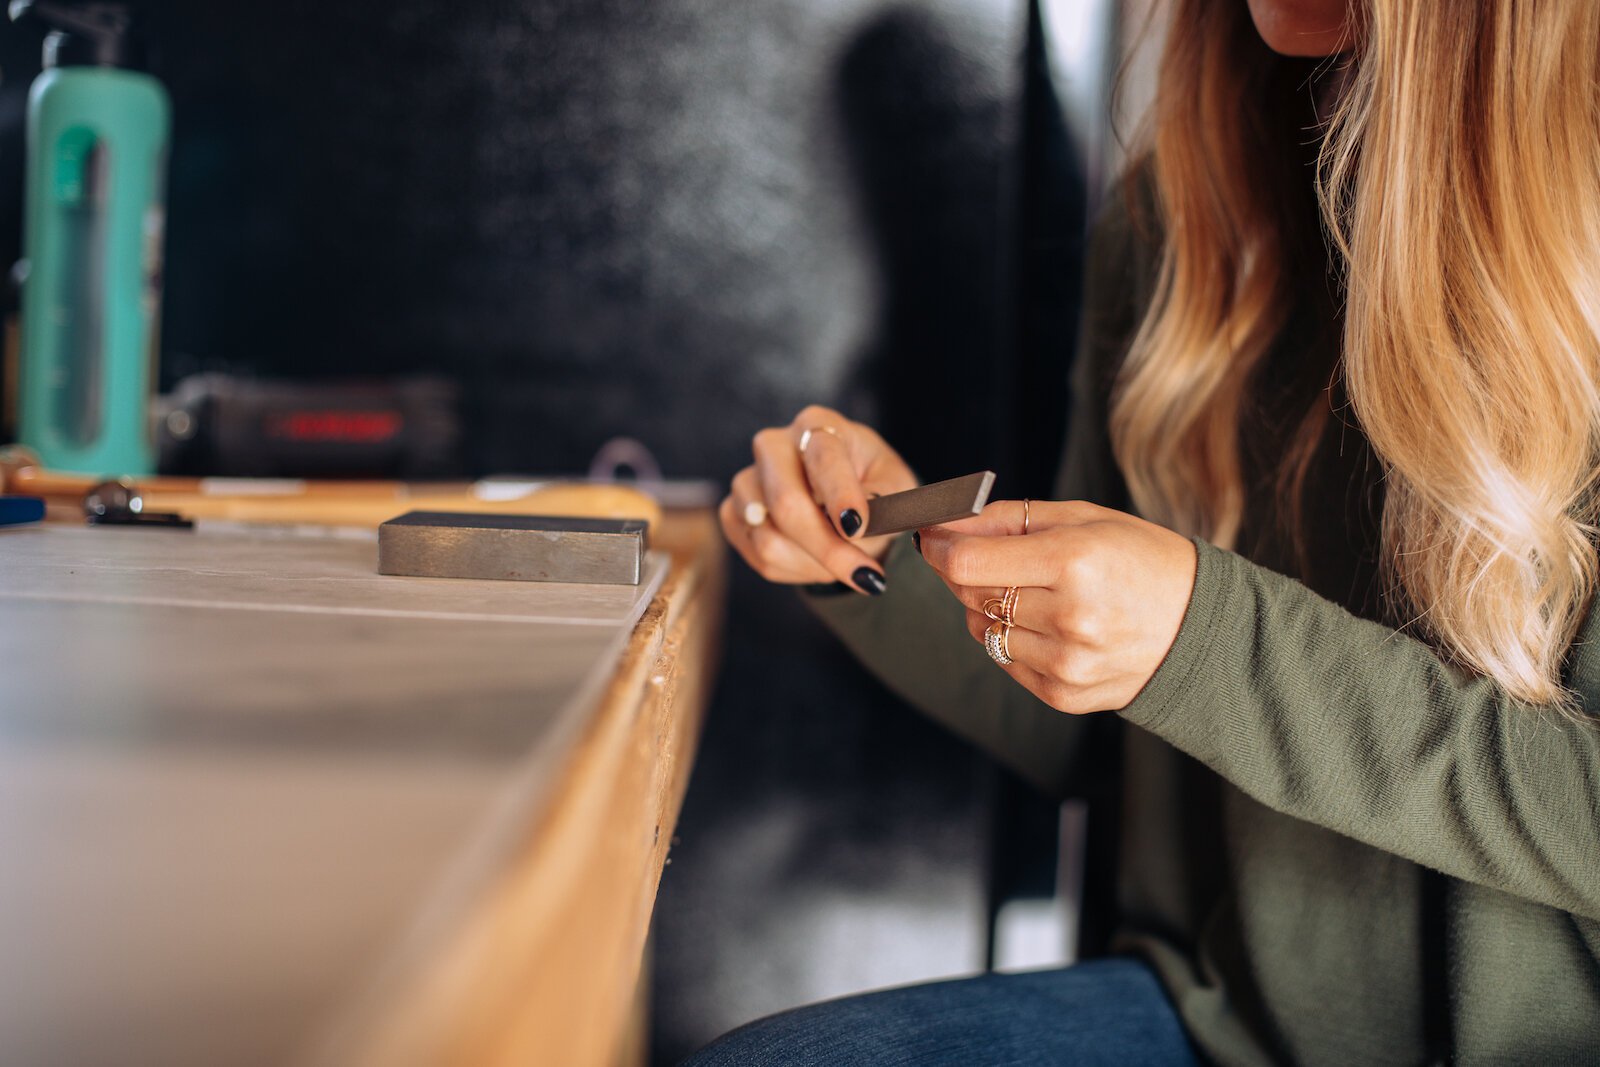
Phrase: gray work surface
(241, 777)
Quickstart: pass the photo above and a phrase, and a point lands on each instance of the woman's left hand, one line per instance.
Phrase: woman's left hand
(1101, 595)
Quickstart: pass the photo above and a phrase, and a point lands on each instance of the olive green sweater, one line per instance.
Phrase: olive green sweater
(1335, 848)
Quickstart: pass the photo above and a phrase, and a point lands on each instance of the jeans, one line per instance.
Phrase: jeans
(1104, 1012)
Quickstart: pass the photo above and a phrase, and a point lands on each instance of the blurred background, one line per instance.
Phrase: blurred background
(679, 222)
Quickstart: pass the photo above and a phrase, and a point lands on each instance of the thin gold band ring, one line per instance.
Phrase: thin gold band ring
(805, 437)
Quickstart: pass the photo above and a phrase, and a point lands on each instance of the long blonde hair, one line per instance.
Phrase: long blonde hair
(1458, 182)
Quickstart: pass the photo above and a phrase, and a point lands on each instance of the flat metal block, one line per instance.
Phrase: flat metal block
(519, 548)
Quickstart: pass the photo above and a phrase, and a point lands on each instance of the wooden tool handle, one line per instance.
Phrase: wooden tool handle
(323, 503)
(588, 501)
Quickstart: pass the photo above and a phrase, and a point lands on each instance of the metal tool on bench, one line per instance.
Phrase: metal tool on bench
(117, 502)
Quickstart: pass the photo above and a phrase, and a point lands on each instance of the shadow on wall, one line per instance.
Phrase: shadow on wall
(930, 146)
(833, 840)
(600, 217)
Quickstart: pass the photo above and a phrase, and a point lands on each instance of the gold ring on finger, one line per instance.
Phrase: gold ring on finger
(996, 641)
(993, 608)
(1008, 606)
(805, 437)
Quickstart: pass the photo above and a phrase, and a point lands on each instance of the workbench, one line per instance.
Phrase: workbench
(260, 805)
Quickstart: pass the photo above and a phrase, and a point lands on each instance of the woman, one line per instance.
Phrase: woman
(1337, 411)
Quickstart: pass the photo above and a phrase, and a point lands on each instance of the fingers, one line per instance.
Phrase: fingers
(1064, 683)
(969, 560)
(831, 472)
(782, 556)
(768, 553)
(1024, 645)
(1030, 679)
(1034, 608)
(792, 511)
(748, 503)
(784, 532)
(885, 471)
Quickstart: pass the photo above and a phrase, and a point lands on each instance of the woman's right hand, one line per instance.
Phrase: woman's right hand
(796, 517)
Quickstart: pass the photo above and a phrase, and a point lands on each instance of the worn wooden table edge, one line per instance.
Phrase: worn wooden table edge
(545, 968)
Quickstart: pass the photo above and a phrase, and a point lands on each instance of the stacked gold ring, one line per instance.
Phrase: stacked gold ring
(996, 641)
(1002, 610)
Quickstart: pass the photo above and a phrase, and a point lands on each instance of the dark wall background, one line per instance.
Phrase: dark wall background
(681, 221)
(731, 209)
(601, 217)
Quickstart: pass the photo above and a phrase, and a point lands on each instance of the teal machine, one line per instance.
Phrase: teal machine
(96, 173)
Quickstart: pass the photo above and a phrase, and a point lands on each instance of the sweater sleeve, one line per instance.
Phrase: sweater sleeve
(1350, 725)
(914, 638)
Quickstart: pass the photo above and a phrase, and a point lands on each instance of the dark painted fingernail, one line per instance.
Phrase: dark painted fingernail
(869, 581)
(850, 521)
(916, 539)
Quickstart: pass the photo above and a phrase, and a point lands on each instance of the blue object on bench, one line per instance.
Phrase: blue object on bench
(20, 509)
